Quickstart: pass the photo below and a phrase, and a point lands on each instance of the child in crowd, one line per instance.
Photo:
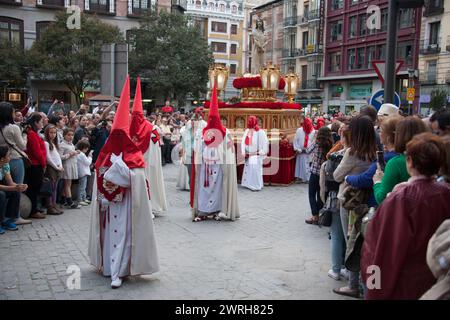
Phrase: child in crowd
(54, 167)
(84, 171)
(69, 160)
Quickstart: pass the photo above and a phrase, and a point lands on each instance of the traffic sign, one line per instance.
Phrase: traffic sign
(380, 68)
(410, 94)
(377, 99)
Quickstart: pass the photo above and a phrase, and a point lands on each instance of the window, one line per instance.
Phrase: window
(234, 9)
(405, 52)
(371, 55)
(41, 27)
(232, 68)
(384, 20)
(219, 27)
(305, 39)
(406, 18)
(222, 7)
(334, 62)
(219, 47)
(362, 26)
(431, 70)
(336, 30)
(434, 32)
(360, 58)
(130, 38)
(352, 27)
(382, 52)
(337, 4)
(198, 4)
(102, 6)
(234, 29)
(351, 58)
(53, 3)
(11, 30)
(233, 48)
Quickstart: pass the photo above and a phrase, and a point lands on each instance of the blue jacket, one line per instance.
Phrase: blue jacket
(364, 180)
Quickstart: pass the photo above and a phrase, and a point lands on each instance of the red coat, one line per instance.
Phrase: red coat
(397, 239)
(36, 149)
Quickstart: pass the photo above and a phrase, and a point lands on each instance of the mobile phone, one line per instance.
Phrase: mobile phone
(380, 159)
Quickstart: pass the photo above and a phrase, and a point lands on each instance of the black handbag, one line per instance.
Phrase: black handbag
(330, 207)
(325, 216)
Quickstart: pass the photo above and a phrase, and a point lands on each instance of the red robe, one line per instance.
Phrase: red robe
(397, 239)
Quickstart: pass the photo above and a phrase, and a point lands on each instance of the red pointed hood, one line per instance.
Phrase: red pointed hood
(140, 128)
(214, 132)
(119, 140)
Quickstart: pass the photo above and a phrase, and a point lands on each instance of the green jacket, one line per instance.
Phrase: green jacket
(394, 173)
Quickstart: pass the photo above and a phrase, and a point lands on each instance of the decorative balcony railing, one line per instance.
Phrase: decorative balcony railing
(310, 84)
(53, 3)
(290, 22)
(100, 6)
(427, 47)
(433, 8)
(213, 9)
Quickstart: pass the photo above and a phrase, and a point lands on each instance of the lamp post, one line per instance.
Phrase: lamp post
(290, 89)
(218, 75)
(270, 78)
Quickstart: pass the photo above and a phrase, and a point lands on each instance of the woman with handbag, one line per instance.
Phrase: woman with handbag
(37, 154)
(357, 158)
(11, 135)
(54, 167)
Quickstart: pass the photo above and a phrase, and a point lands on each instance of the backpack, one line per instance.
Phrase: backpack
(330, 166)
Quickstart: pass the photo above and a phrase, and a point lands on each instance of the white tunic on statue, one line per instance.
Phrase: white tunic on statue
(252, 177)
(304, 154)
(210, 197)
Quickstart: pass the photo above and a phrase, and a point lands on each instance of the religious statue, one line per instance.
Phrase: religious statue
(258, 47)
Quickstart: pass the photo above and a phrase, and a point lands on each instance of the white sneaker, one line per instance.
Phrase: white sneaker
(21, 220)
(116, 283)
(83, 203)
(344, 273)
(334, 275)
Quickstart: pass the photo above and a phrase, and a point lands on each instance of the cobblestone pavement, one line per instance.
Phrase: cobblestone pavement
(270, 253)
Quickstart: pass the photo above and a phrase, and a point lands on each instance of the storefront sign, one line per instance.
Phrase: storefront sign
(360, 91)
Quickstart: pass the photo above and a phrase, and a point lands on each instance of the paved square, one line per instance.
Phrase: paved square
(270, 253)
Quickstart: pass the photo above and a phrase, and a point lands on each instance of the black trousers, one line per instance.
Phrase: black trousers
(34, 176)
(9, 205)
(166, 150)
(314, 194)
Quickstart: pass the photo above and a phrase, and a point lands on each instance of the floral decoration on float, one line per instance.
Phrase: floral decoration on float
(254, 82)
(259, 105)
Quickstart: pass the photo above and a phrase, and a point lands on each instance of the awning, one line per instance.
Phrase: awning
(308, 101)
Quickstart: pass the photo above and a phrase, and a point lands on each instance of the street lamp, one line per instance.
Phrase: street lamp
(270, 78)
(218, 75)
(290, 89)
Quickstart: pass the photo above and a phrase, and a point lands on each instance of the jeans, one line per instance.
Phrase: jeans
(353, 280)
(34, 177)
(344, 222)
(338, 245)
(17, 170)
(9, 205)
(82, 183)
(314, 194)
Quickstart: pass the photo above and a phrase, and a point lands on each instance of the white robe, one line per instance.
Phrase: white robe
(185, 161)
(210, 196)
(227, 190)
(155, 177)
(252, 177)
(302, 170)
(136, 250)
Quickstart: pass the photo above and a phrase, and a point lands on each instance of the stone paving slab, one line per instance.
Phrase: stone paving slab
(270, 253)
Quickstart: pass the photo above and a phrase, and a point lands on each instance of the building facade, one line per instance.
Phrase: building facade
(303, 48)
(222, 25)
(349, 78)
(24, 21)
(434, 55)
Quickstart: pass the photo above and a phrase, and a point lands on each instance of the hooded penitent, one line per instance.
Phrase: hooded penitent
(119, 141)
(307, 128)
(252, 123)
(140, 128)
(214, 132)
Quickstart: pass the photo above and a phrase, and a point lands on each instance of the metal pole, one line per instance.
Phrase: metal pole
(389, 81)
(113, 73)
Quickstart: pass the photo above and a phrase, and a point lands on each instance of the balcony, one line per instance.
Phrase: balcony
(179, 6)
(312, 15)
(289, 53)
(430, 48)
(57, 4)
(433, 8)
(213, 9)
(11, 2)
(428, 77)
(290, 22)
(312, 84)
(313, 49)
(104, 7)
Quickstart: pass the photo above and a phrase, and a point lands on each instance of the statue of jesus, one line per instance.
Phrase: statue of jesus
(258, 47)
